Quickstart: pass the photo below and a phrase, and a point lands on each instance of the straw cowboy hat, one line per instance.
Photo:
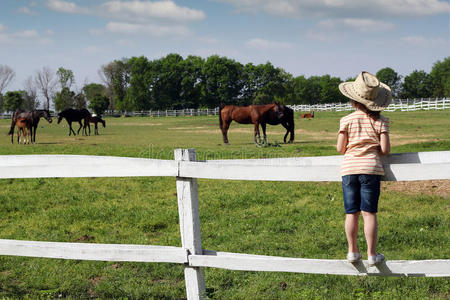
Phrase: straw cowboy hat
(368, 90)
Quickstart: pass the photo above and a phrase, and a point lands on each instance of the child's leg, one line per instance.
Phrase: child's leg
(371, 232)
(351, 230)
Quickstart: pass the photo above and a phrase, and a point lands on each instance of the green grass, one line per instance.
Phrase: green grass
(271, 218)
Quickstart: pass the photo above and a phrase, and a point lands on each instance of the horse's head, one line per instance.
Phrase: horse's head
(60, 117)
(48, 116)
(279, 110)
(103, 122)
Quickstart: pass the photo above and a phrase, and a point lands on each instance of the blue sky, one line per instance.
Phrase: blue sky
(304, 37)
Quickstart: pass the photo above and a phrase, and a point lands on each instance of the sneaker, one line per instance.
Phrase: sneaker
(376, 259)
(353, 256)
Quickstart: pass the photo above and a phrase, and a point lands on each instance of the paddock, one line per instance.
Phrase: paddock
(186, 169)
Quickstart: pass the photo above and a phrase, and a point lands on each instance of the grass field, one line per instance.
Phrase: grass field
(271, 218)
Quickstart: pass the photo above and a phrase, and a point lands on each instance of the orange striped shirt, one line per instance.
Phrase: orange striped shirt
(362, 155)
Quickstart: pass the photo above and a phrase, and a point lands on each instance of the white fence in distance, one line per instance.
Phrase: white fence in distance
(402, 166)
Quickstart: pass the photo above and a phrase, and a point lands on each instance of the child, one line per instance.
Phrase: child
(363, 137)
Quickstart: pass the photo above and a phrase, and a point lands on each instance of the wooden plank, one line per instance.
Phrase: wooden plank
(85, 251)
(394, 172)
(44, 166)
(247, 262)
(188, 209)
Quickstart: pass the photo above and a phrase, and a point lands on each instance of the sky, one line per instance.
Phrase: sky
(303, 37)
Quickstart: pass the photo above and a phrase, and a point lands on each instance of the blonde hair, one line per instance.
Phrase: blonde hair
(373, 114)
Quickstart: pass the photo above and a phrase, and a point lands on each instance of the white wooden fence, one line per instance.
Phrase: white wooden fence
(396, 105)
(404, 166)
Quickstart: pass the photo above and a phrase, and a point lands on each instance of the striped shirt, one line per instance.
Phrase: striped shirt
(362, 155)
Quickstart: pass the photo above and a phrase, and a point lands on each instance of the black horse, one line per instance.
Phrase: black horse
(75, 115)
(287, 120)
(32, 117)
(95, 120)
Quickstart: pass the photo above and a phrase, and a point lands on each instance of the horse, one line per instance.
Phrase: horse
(252, 114)
(287, 121)
(95, 120)
(22, 124)
(33, 118)
(75, 115)
(310, 115)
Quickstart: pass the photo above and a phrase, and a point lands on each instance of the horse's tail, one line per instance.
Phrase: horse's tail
(221, 106)
(13, 124)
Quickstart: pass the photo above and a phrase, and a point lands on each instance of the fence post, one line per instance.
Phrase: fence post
(188, 210)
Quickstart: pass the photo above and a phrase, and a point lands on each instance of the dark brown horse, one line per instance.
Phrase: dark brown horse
(252, 114)
(95, 120)
(287, 121)
(32, 118)
(75, 115)
(23, 126)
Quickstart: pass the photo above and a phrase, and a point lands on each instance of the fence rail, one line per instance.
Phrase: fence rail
(186, 169)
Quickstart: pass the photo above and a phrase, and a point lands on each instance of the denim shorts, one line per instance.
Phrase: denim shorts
(361, 192)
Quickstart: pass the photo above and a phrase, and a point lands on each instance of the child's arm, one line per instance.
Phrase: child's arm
(385, 143)
(342, 141)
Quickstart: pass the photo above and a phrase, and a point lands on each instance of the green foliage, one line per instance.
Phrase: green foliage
(99, 104)
(391, 78)
(440, 77)
(14, 100)
(93, 89)
(65, 78)
(418, 84)
(64, 99)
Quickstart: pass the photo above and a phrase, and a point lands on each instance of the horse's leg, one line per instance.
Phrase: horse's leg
(71, 129)
(33, 134)
(224, 129)
(18, 135)
(81, 125)
(257, 134)
(96, 129)
(263, 126)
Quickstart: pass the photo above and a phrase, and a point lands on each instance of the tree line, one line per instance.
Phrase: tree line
(174, 82)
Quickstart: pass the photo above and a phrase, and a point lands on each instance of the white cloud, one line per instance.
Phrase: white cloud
(258, 43)
(143, 11)
(147, 29)
(92, 50)
(66, 7)
(26, 11)
(24, 37)
(343, 8)
(422, 41)
(352, 24)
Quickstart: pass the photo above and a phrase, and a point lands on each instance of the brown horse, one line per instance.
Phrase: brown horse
(22, 125)
(33, 118)
(252, 114)
(95, 120)
(307, 116)
(287, 121)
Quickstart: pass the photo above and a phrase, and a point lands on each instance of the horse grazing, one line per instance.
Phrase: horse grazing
(75, 115)
(252, 114)
(95, 120)
(310, 115)
(32, 118)
(287, 121)
(22, 124)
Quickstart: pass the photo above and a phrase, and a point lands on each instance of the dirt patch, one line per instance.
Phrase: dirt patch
(439, 188)
(139, 124)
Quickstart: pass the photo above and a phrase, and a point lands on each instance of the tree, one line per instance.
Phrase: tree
(329, 90)
(391, 78)
(99, 103)
(79, 101)
(440, 78)
(417, 85)
(139, 92)
(31, 101)
(93, 89)
(65, 78)
(116, 75)
(14, 100)
(46, 83)
(222, 81)
(6, 76)
(64, 99)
